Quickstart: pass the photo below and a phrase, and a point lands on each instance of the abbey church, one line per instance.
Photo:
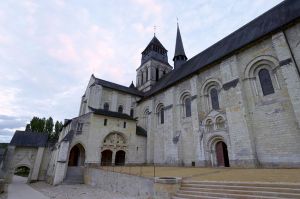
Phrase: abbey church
(235, 104)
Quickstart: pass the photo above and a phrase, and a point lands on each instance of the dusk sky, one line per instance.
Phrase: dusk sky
(49, 49)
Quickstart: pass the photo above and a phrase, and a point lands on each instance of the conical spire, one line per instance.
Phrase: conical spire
(179, 56)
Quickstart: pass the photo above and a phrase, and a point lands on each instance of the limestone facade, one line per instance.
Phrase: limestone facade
(243, 110)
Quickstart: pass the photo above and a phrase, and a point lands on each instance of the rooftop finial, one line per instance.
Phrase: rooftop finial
(154, 27)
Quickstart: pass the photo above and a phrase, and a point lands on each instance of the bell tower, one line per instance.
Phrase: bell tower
(154, 65)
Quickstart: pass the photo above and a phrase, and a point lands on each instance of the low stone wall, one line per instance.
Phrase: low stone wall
(140, 187)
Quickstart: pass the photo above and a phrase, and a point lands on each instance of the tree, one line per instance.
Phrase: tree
(28, 128)
(57, 129)
(37, 124)
(49, 126)
(43, 125)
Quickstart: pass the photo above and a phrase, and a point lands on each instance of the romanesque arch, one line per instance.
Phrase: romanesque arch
(218, 149)
(211, 91)
(261, 73)
(185, 101)
(113, 149)
(77, 156)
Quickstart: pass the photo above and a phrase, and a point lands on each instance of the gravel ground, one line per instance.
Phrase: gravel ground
(80, 191)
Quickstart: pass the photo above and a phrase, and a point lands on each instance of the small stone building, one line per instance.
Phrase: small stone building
(30, 150)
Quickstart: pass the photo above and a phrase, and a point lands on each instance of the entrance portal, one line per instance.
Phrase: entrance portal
(106, 158)
(222, 154)
(77, 156)
(120, 158)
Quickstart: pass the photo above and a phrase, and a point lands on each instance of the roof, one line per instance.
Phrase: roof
(141, 131)
(179, 50)
(69, 136)
(156, 42)
(269, 22)
(111, 114)
(29, 139)
(107, 84)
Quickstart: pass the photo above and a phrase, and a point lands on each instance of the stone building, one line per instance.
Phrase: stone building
(235, 104)
(30, 150)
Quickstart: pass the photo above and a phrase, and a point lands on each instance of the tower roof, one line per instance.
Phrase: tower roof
(155, 50)
(156, 42)
(179, 50)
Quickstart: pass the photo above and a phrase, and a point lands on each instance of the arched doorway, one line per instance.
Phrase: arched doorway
(114, 147)
(22, 171)
(120, 158)
(106, 158)
(77, 156)
(222, 154)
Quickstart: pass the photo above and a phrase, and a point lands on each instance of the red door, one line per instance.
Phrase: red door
(220, 154)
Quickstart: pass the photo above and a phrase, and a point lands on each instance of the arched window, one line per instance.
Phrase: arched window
(142, 77)
(106, 106)
(146, 74)
(157, 74)
(265, 82)
(161, 114)
(131, 112)
(214, 99)
(187, 107)
(120, 109)
(220, 122)
(209, 125)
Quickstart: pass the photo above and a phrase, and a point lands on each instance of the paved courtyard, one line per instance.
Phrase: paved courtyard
(41, 190)
(79, 191)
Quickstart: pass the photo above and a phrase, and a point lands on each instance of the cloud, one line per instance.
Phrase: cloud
(9, 124)
(49, 49)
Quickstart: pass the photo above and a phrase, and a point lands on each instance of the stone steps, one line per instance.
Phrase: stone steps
(74, 175)
(240, 190)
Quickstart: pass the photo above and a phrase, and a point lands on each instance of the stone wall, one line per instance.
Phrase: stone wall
(118, 182)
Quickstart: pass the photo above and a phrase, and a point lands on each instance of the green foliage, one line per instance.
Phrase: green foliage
(57, 129)
(49, 125)
(43, 125)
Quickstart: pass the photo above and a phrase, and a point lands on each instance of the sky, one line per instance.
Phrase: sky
(49, 49)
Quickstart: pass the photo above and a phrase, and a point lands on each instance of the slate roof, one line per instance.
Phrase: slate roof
(179, 50)
(141, 131)
(69, 136)
(29, 139)
(111, 114)
(269, 22)
(107, 84)
(156, 42)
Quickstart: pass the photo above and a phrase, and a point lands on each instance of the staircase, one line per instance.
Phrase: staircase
(242, 190)
(74, 175)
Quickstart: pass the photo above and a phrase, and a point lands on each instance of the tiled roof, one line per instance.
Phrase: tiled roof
(130, 90)
(111, 114)
(141, 131)
(269, 22)
(29, 139)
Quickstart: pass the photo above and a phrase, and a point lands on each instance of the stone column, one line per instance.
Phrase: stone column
(170, 149)
(37, 163)
(198, 156)
(113, 157)
(8, 167)
(289, 72)
(150, 133)
(240, 148)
